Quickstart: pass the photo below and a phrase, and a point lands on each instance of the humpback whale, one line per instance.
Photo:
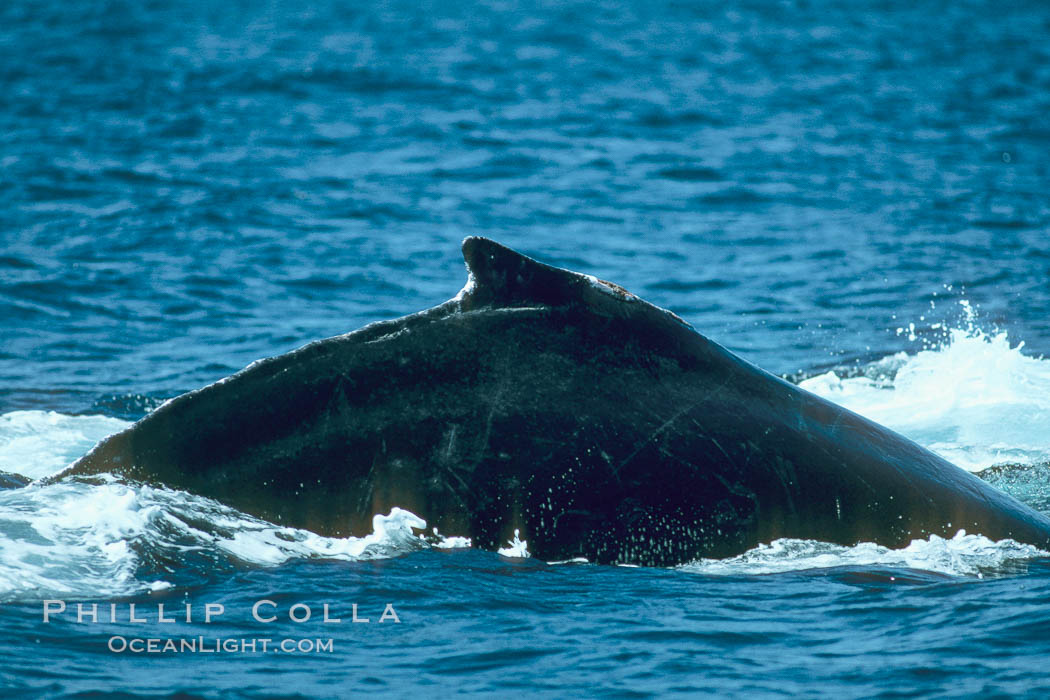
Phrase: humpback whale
(561, 407)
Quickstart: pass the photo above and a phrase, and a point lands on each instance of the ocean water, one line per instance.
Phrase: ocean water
(849, 194)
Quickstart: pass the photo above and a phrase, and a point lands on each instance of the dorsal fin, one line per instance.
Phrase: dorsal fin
(501, 277)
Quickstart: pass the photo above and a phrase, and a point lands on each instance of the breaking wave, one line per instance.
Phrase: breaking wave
(962, 555)
(974, 398)
(101, 537)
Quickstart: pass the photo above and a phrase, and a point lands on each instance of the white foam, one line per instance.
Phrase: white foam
(69, 539)
(439, 541)
(75, 538)
(517, 548)
(39, 443)
(976, 399)
(962, 555)
(88, 538)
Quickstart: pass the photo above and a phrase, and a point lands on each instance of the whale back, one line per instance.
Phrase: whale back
(548, 402)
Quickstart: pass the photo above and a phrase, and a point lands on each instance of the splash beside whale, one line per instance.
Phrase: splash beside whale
(549, 402)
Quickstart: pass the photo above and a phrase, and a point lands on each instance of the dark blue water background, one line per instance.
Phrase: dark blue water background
(186, 187)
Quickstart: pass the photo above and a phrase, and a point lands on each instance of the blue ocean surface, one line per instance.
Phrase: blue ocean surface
(852, 195)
